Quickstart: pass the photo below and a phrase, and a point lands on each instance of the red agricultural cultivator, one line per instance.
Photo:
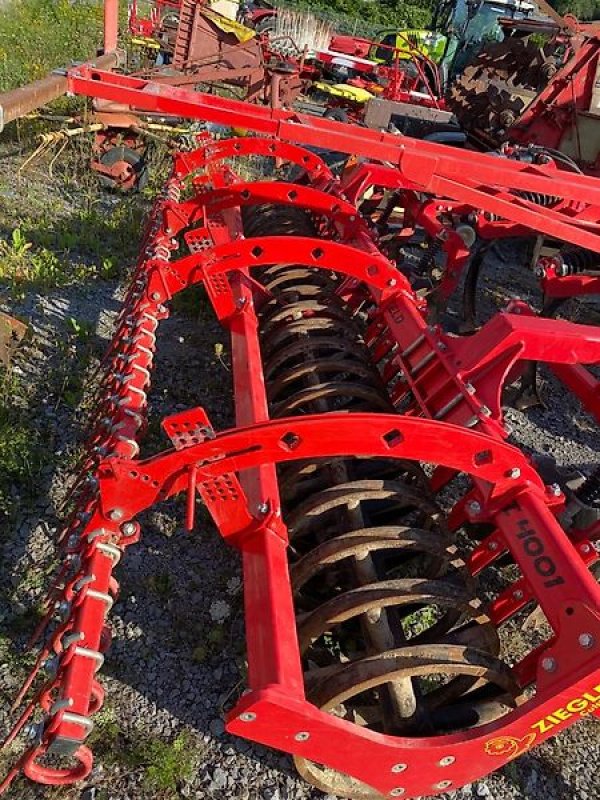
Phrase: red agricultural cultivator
(392, 539)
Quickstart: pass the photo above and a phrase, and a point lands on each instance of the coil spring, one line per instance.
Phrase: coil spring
(576, 260)
(544, 200)
(389, 630)
(428, 260)
(538, 199)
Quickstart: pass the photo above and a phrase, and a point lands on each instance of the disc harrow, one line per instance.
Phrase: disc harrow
(367, 483)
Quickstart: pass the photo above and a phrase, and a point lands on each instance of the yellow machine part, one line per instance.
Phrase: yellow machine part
(145, 41)
(241, 32)
(353, 93)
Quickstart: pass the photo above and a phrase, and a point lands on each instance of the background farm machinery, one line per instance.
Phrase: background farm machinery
(392, 535)
(537, 86)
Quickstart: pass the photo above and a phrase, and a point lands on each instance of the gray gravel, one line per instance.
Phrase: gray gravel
(177, 659)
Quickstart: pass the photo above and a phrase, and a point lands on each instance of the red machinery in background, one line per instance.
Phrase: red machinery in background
(538, 86)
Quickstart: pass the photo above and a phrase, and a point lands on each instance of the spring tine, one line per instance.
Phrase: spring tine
(39, 629)
(13, 773)
(42, 656)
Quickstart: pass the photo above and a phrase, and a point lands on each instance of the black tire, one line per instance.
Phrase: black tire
(337, 114)
(136, 160)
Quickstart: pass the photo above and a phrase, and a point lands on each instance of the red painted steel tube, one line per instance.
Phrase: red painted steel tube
(111, 25)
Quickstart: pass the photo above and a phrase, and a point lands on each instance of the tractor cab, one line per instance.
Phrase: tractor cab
(471, 24)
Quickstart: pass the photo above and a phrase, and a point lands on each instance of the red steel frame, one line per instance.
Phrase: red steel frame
(454, 421)
(554, 111)
(458, 428)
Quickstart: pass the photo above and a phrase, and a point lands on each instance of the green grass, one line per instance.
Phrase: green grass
(48, 248)
(166, 765)
(21, 453)
(38, 35)
(170, 763)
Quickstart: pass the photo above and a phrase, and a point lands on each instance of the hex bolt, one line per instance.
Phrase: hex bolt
(31, 731)
(514, 473)
(63, 608)
(155, 296)
(555, 490)
(392, 282)
(263, 508)
(470, 388)
(399, 767)
(475, 507)
(492, 545)
(446, 761)
(518, 594)
(549, 664)
(116, 514)
(586, 640)
(51, 665)
(248, 716)
(128, 528)
(397, 792)
(302, 736)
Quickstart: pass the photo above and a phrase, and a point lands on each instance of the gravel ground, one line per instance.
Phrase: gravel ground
(177, 657)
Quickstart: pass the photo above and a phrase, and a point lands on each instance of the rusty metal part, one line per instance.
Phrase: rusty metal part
(495, 89)
(18, 102)
(12, 332)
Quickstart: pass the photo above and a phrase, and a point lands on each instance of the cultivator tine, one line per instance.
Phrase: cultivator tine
(354, 416)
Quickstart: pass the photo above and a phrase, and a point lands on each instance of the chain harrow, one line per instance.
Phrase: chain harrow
(367, 484)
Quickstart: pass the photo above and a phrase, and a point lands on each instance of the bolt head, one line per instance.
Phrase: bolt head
(116, 514)
(549, 664)
(248, 716)
(555, 490)
(128, 528)
(302, 736)
(446, 761)
(518, 594)
(263, 508)
(514, 473)
(399, 767)
(492, 545)
(442, 785)
(155, 296)
(586, 640)
(31, 730)
(397, 792)
(475, 507)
